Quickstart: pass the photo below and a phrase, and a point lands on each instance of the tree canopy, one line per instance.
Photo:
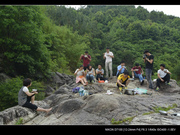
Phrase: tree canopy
(36, 40)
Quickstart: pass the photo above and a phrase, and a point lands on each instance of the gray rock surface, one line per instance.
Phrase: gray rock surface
(99, 108)
(56, 80)
(3, 77)
(11, 115)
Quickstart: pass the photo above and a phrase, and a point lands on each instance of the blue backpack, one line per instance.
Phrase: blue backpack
(75, 90)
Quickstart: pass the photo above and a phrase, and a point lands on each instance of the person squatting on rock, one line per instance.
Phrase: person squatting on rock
(148, 59)
(100, 73)
(108, 62)
(123, 80)
(90, 73)
(163, 76)
(26, 98)
(80, 75)
(121, 68)
(137, 72)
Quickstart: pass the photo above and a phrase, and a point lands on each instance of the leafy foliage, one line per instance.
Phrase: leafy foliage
(128, 31)
(33, 46)
(38, 40)
(22, 48)
(9, 91)
(129, 119)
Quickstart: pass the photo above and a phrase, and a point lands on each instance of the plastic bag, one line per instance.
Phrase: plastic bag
(140, 91)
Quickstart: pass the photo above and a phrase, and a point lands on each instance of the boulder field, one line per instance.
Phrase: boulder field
(98, 108)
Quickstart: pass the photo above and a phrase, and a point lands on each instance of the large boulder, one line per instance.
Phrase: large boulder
(62, 79)
(173, 88)
(57, 80)
(101, 104)
(11, 115)
(49, 90)
(99, 108)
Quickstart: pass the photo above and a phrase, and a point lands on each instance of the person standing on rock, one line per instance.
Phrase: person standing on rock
(86, 60)
(108, 62)
(149, 59)
(80, 76)
(163, 76)
(25, 97)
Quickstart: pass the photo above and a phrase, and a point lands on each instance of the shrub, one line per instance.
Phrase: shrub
(9, 91)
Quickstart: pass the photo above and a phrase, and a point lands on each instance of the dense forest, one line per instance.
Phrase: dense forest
(38, 40)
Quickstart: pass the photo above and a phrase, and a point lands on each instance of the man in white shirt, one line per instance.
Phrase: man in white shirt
(163, 76)
(108, 62)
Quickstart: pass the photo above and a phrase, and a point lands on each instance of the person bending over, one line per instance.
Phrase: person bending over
(123, 80)
(163, 76)
(26, 98)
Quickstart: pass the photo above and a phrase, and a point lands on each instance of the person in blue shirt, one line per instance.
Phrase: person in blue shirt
(121, 68)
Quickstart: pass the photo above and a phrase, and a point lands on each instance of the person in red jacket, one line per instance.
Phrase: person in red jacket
(137, 72)
(86, 60)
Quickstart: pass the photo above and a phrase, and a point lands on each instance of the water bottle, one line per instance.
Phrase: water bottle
(85, 92)
(81, 91)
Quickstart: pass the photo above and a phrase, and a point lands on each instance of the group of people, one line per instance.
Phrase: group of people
(163, 74)
(123, 75)
(85, 72)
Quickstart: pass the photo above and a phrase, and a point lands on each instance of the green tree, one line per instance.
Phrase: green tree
(142, 13)
(22, 41)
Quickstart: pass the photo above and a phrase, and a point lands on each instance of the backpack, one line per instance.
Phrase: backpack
(75, 90)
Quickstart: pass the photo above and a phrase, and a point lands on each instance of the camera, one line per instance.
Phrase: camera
(144, 56)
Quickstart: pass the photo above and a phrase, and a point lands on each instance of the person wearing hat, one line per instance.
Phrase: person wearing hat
(149, 59)
(86, 59)
(108, 62)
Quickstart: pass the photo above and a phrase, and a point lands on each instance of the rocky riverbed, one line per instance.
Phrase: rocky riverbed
(99, 108)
